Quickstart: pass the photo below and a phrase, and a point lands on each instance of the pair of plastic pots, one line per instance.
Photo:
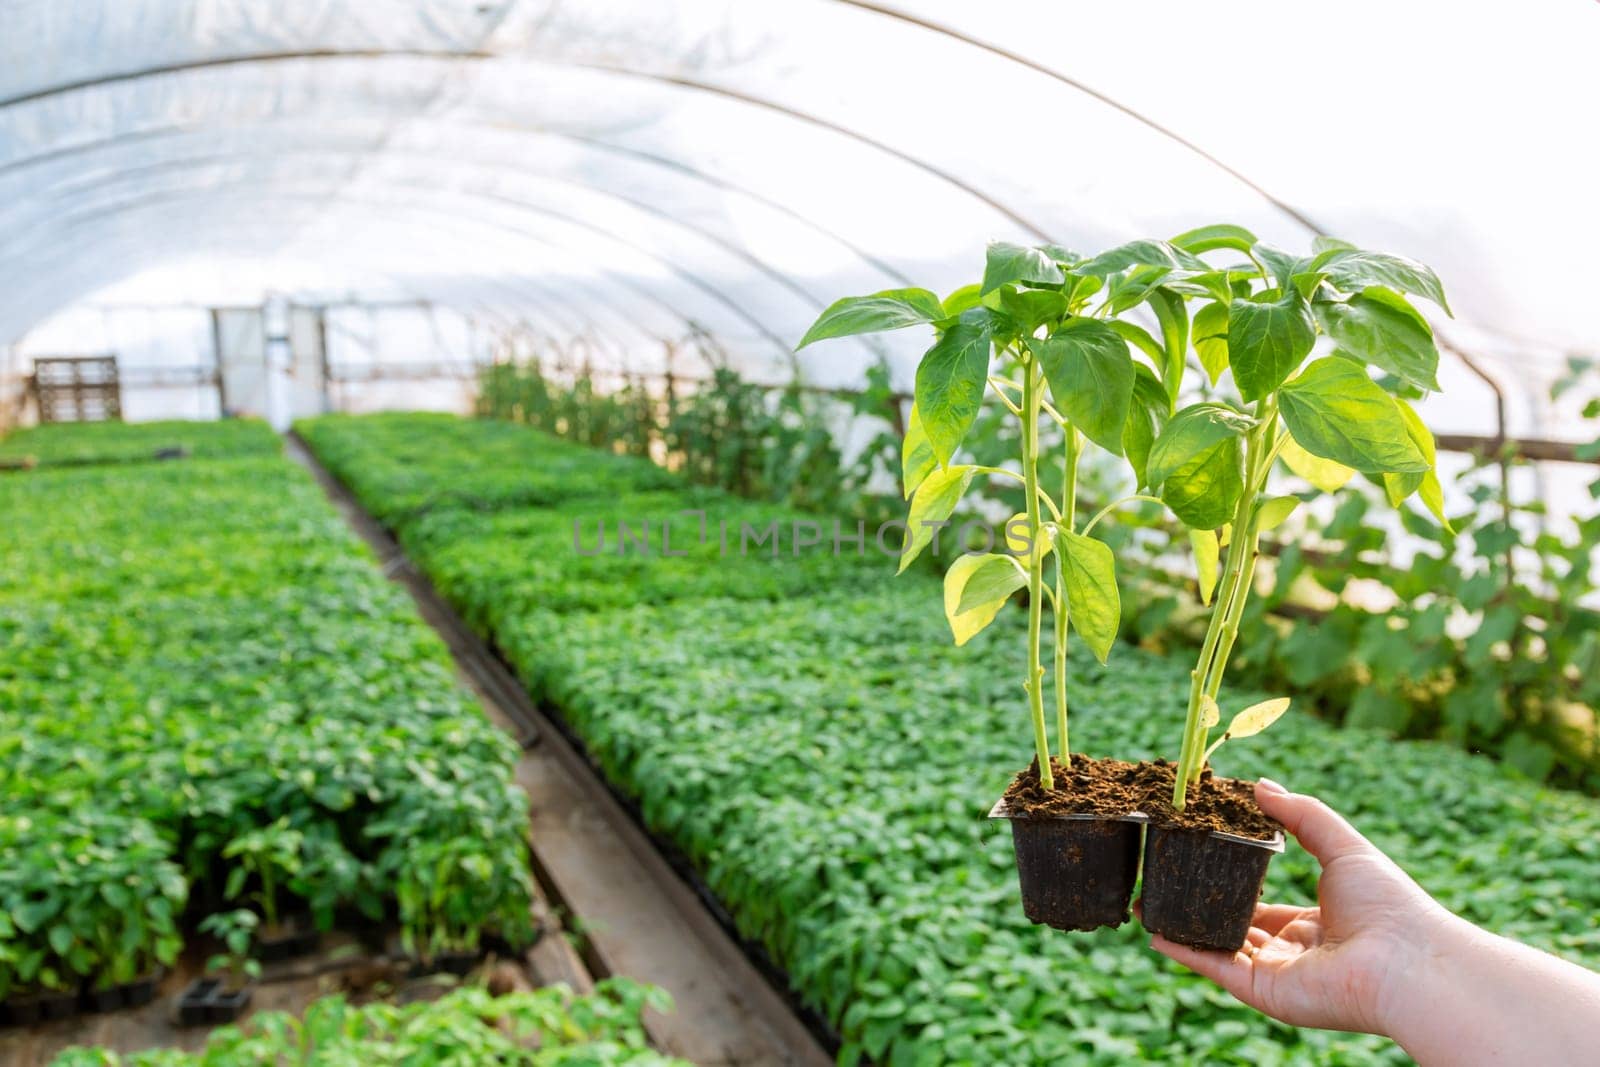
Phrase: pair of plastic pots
(1077, 872)
(206, 1001)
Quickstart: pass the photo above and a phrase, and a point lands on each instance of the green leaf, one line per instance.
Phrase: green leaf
(1203, 492)
(996, 578)
(1321, 244)
(1204, 543)
(1282, 265)
(1091, 377)
(1210, 238)
(1081, 287)
(1148, 412)
(1257, 717)
(1060, 253)
(1352, 270)
(1275, 511)
(936, 498)
(1530, 755)
(1324, 474)
(1335, 411)
(951, 380)
(1142, 253)
(1196, 429)
(917, 460)
(888, 310)
(1090, 581)
(30, 915)
(1307, 282)
(1173, 314)
(1198, 464)
(1212, 283)
(1267, 339)
(61, 938)
(1030, 308)
(1140, 338)
(1147, 390)
(1134, 287)
(1380, 327)
(1426, 484)
(968, 296)
(1431, 493)
(1020, 544)
(1211, 339)
(1138, 435)
(1005, 262)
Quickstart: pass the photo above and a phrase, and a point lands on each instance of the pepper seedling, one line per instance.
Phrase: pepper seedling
(1060, 369)
(1078, 328)
(236, 930)
(1324, 420)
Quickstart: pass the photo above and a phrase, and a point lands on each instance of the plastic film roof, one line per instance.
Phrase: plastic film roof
(626, 168)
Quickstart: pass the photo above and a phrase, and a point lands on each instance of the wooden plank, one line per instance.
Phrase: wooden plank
(1526, 447)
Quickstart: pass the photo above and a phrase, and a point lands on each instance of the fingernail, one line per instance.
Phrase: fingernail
(1267, 785)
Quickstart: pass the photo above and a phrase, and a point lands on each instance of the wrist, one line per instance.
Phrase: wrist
(1442, 947)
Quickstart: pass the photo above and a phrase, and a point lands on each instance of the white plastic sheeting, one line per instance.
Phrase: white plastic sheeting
(634, 168)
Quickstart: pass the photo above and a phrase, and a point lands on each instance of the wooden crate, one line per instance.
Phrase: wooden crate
(77, 388)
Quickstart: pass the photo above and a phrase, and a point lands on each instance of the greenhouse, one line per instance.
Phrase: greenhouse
(798, 533)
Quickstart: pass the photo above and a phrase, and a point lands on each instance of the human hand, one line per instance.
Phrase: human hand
(1342, 965)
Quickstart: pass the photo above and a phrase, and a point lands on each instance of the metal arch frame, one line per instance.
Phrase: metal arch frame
(761, 266)
(538, 238)
(599, 144)
(468, 55)
(460, 55)
(687, 277)
(421, 299)
(755, 262)
(576, 319)
(518, 297)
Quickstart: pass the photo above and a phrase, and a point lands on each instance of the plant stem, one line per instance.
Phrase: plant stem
(1030, 473)
(1011, 405)
(1263, 449)
(1223, 628)
(1103, 512)
(1191, 725)
(1069, 507)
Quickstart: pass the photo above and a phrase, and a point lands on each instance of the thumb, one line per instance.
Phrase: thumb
(1322, 831)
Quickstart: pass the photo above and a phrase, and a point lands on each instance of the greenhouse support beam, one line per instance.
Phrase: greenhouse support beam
(677, 80)
(454, 221)
(596, 143)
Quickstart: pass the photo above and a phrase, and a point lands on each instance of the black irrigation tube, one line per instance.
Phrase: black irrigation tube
(536, 716)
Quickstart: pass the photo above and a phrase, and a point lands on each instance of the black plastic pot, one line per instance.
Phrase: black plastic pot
(19, 1011)
(226, 1007)
(506, 949)
(138, 994)
(295, 937)
(205, 1001)
(1076, 871)
(459, 964)
(1201, 886)
(194, 1001)
(112, 998)
(41, 1008)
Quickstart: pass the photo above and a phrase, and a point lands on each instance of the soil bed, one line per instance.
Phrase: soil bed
(1114, 787)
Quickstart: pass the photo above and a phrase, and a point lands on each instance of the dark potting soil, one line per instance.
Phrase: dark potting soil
(1116, 787)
